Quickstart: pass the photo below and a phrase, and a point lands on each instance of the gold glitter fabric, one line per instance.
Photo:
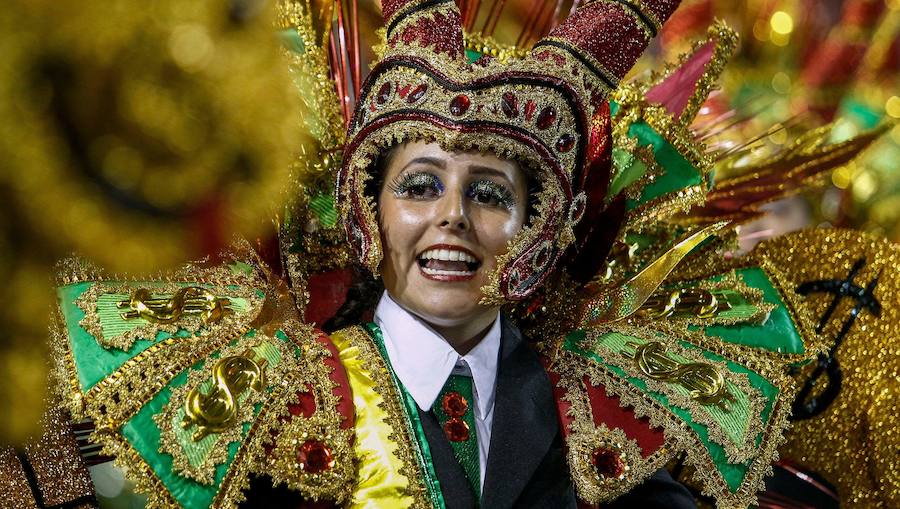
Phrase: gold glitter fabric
(49, 471)
(14, 487)
(855, 442)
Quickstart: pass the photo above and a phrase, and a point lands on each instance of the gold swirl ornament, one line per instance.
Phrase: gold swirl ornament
(705, 383)
(191, 300)
(219, 409)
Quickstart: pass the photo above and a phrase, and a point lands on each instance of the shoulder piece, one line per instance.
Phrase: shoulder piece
(700, 370)
(194, 384)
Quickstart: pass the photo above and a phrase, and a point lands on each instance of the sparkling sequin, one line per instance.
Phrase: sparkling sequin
(315, 457)
(456, 430)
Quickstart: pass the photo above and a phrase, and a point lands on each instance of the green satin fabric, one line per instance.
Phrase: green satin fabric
(777, 334)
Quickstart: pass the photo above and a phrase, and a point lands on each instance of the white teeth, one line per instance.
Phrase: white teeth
(436, 272)
(448, 255)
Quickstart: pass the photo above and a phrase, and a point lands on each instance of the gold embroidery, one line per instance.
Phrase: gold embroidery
(680, 436)
(196, 450)
(704, 382)
(217, 410)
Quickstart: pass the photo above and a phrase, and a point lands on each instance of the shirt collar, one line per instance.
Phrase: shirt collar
(423, 360)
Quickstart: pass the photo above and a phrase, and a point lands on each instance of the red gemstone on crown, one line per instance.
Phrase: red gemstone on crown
(456, 430)
(608, 463)
(454, 404)
(509, 104)
(459, 105)
(384, 93)
(417, 93)
(546, 118)
(565, 142)
(315, 457)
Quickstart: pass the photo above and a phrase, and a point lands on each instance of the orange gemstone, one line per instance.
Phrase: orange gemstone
(456, 430)
(454, 404)
(315, 457)
(608, 463)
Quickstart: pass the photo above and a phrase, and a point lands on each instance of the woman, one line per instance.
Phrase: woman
(466, 186)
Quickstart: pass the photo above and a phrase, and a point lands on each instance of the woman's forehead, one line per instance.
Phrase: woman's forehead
(431, 154)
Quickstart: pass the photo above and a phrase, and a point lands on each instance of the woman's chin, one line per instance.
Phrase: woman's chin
(455, 308)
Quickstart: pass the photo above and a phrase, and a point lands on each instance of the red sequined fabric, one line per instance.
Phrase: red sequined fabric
(606, 32)
(439, 32)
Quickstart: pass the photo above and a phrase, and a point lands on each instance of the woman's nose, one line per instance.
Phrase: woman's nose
(454, 213)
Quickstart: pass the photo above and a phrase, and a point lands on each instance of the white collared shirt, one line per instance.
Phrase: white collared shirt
(423, 360)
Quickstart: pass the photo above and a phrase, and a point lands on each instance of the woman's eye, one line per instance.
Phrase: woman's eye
(417, 186)
(490, 193)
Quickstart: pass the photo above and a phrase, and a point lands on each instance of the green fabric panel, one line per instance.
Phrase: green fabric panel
(472, 55)
(629, 170)
(292, 40)
(678, 172)
(741, 309)
(144, 436)
(243, 268)
(733, 474)
(323, 205)
(777, 334)
(412, 415)
(93, 362)
(196, 452)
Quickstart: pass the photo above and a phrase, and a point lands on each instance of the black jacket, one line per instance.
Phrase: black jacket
(526, 465)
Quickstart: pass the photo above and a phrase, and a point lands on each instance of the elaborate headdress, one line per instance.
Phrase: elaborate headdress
(547, 111)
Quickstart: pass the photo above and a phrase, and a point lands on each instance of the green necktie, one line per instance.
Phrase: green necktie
(455, 411)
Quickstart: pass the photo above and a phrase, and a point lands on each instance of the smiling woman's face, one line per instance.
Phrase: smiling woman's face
(444, 218)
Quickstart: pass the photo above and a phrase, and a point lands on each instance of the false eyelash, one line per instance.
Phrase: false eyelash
(504, 196)
(403, 183)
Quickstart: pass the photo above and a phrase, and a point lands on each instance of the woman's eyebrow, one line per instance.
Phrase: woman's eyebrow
(433, 161)
(487, 170)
